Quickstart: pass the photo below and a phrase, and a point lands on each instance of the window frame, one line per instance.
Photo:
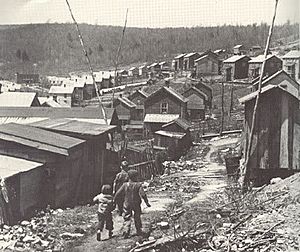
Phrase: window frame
(164, 107)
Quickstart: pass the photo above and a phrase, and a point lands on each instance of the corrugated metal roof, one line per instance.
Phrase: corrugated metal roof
(176, 135)
(38, 138)
(61, 90)
(10, 166)
(160, 118)
(64, 112)
(72, 126)
(261, 58)
(17, 99)
(294, 54)
(234, 58)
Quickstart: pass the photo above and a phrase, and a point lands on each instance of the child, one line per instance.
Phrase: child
(133, 193)
(120, 179)
(105, 207)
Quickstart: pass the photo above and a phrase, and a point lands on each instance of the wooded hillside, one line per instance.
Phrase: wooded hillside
(54, 48)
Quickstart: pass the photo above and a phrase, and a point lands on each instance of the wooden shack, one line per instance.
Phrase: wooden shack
(197, 103)
(178, 62)
(138, 97)
(291, 64)
(279, 78)
(276, 142)
(133, 72)
(102, 164)
(207, 64)
(235, 67)
(166, 101)
(189, 61)
(64, 159)
(126, 110)
(273, 65)
(21, 180)
(174, 136)
(207, 91)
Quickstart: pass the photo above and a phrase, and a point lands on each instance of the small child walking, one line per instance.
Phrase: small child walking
(105, 208)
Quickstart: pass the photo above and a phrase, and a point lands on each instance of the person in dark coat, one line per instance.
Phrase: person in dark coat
(133, 193)
(120, 179)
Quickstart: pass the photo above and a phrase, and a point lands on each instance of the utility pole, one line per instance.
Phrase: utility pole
(222, 111)
(231, 100)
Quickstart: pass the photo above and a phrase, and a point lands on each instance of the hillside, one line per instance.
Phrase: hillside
(54, 48)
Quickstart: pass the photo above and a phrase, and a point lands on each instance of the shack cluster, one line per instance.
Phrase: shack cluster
(56, 144)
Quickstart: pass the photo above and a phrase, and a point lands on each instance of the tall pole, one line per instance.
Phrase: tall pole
(222, 111)
(88, 62)
(231, 100)
(246, 172)
(117, 60)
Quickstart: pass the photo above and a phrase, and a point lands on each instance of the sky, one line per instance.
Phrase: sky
(149, 13)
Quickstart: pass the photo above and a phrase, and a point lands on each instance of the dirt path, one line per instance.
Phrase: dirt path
(213, 176)
(159, 203)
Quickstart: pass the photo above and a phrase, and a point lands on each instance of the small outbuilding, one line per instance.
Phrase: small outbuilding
(236, 67)
(276, 141)
(174, 136)
(177, 64)
(189, 61)
(273, 64)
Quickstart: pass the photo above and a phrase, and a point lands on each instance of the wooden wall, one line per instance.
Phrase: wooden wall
(276, 133)
(174, 106)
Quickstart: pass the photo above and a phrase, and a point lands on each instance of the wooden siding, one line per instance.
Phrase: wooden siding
(207, 66)
(276, 133)
(273, 65)
(174, 106)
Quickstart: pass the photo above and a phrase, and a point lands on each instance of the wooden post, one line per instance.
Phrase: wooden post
(231, 100)
(117, 60)
(222, 111)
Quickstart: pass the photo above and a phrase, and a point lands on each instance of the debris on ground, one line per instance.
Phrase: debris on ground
(49, 230)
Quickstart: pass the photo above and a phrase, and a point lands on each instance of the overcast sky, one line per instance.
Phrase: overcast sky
(149, 13)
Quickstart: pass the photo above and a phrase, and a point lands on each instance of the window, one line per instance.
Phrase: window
(65, 95)
(164, 108)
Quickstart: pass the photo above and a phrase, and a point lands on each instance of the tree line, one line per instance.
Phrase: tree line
(55, 48)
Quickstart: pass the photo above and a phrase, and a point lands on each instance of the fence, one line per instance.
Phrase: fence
(143, 160)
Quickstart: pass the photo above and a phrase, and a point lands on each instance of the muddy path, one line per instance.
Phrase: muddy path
(212, 177)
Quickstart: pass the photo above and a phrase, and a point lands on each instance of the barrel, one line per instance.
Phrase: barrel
(232, 166)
